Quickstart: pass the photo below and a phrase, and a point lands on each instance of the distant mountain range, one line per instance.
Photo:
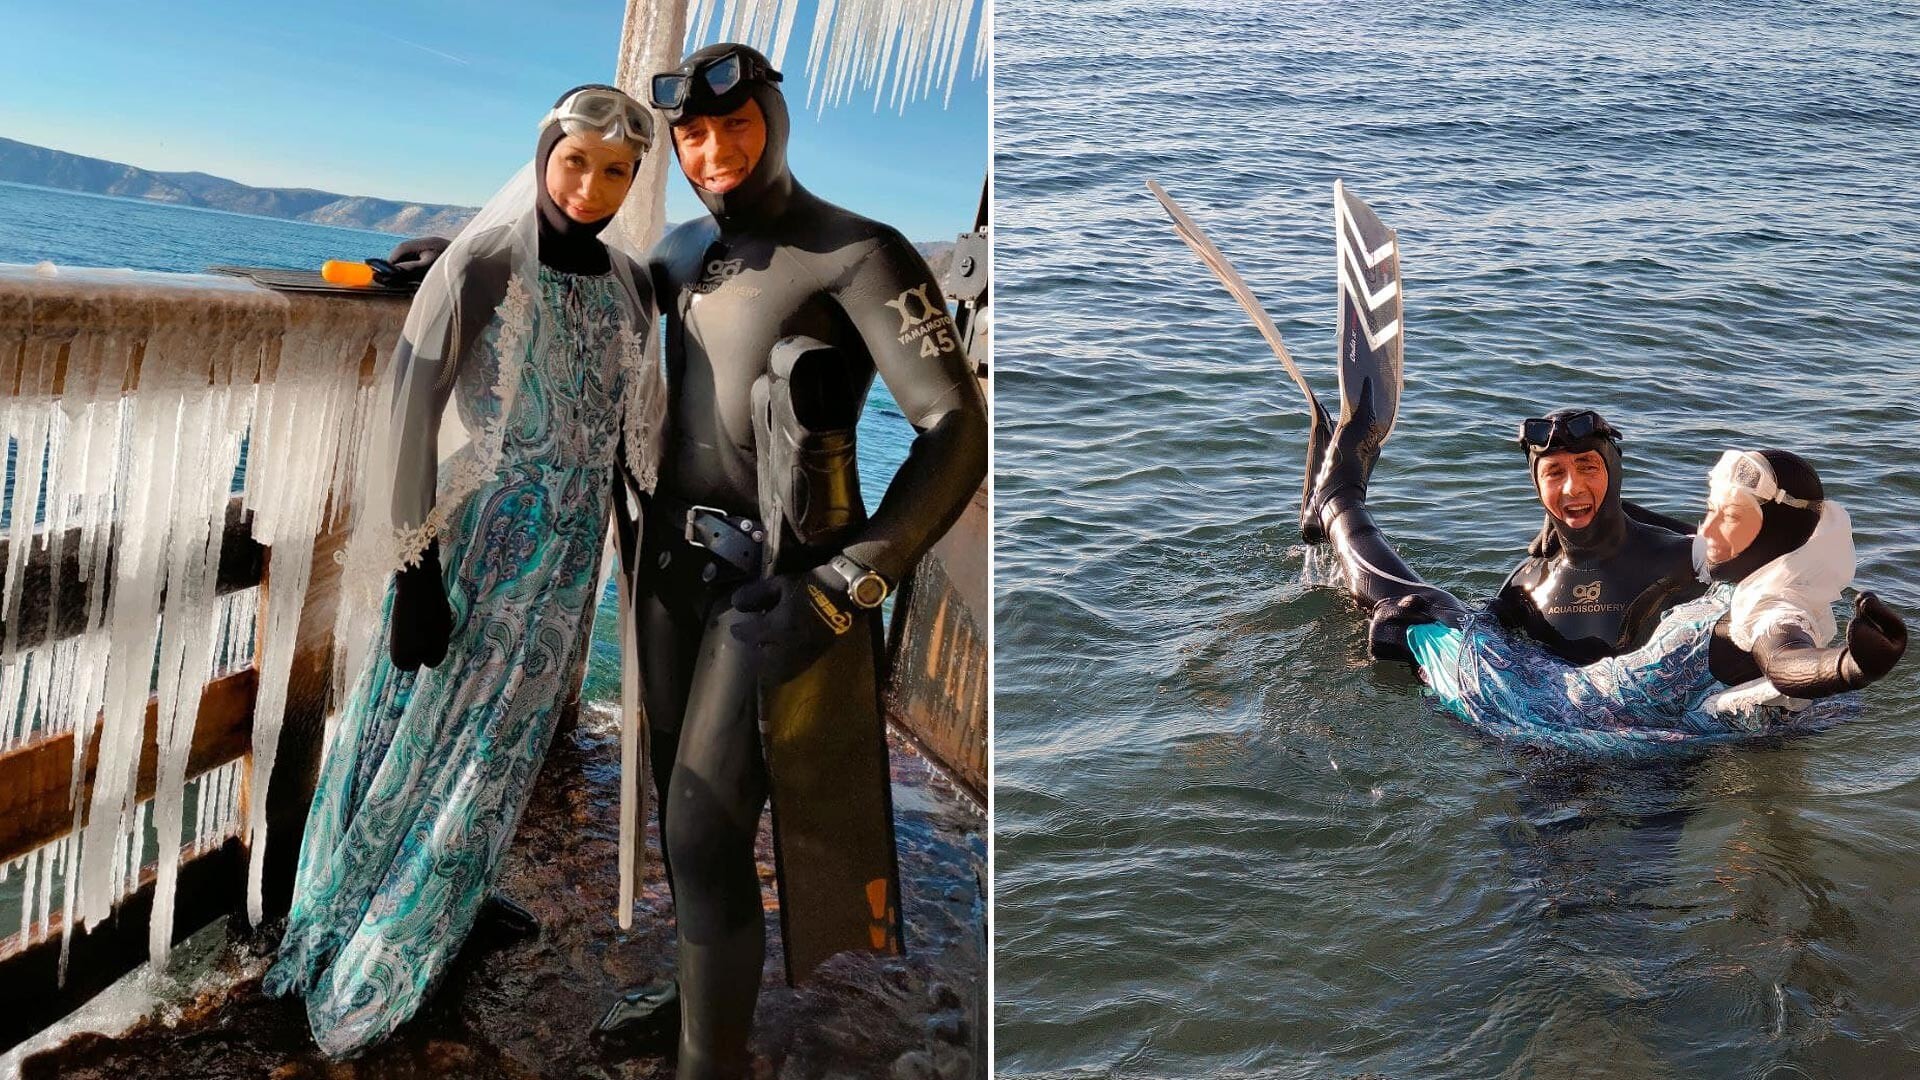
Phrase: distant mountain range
(23, 163)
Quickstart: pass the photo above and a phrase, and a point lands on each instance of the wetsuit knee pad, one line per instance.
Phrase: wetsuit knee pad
(715, 883)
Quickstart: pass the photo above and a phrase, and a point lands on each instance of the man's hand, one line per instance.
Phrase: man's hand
(795, 619)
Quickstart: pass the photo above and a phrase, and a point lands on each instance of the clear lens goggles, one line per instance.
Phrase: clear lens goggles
(609, 112)
(720, 74)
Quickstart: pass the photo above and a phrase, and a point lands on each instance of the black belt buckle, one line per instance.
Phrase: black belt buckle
(736, 541)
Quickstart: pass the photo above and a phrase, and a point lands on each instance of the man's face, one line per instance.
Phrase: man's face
(1571, 485)
(717, 152)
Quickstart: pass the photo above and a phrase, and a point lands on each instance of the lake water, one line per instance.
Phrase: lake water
(1229, 846)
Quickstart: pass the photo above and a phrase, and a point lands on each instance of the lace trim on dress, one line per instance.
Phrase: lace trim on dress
(464, 473)
(644, 418)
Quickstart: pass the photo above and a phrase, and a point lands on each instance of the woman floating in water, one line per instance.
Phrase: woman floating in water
(527, 333)
(1734, 664)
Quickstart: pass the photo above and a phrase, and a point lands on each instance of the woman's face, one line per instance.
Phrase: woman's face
(588, 177)
(1730, 527)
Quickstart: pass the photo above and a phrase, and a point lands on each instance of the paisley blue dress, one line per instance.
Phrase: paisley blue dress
(1641, 703)
(427, 772)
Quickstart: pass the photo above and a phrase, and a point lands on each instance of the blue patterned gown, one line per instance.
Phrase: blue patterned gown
(1640, 703)
(428, 772)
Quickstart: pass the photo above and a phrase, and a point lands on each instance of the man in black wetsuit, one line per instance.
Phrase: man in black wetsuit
(761, 573)
(1602, 570)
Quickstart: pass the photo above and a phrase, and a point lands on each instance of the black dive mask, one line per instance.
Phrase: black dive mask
(1575, 431)
(716, 81)
(712, 86)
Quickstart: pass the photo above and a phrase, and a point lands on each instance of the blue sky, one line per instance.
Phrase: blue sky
(419, 100)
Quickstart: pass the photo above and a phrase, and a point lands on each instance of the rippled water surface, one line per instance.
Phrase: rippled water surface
(1227, 844)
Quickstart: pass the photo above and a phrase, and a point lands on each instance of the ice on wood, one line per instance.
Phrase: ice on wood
(36, 888)
(136, 394)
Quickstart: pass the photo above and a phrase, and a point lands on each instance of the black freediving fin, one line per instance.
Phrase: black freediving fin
(1320, 429)
(1367, 268)
(824, 730)
(1371, 341)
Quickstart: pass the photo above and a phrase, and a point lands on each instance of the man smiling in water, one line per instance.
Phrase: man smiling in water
(1602, 569)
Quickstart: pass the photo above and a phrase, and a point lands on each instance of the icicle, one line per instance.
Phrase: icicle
(321, 397)
(46, 885)
(918, 43)
(30, 416)
(200, 788)
(137, 847)
(208, 460)
(140, 533)
(230, 804)
(13, 732)
(26, 891)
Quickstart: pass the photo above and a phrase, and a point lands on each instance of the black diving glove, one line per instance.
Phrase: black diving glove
(408, 263)
(1876, 639)
(1387, 625)
(796, 617)
(422, 621)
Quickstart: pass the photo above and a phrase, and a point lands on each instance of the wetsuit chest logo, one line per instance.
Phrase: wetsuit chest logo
(1586, 599)
(924, 319)
(717, 273)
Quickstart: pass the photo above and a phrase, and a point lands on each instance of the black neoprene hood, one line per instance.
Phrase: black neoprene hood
(765, 192)
(565, 244)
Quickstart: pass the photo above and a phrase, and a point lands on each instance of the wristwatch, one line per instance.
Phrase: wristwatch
(865, 587)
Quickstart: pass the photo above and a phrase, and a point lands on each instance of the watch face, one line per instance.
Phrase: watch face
(868, 590)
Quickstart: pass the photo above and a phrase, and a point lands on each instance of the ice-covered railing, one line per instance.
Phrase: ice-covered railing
(161, 623)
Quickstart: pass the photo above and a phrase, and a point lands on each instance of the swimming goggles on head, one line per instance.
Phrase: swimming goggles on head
(1562, 429)
(720, 75)
(611, 113)
(1744, 470)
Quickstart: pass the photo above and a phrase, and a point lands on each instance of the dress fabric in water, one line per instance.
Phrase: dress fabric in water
(428, 772)
(1645, 702)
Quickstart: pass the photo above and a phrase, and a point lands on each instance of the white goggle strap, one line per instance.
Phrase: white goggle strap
(1744, 470)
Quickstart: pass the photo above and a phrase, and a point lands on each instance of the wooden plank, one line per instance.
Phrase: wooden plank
(936, 691)
(242, 561)
(31, 995)
(34, 779)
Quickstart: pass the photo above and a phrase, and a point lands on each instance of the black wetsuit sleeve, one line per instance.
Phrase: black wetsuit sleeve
(896, 305)
(1655, 518)
(1798, 667)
